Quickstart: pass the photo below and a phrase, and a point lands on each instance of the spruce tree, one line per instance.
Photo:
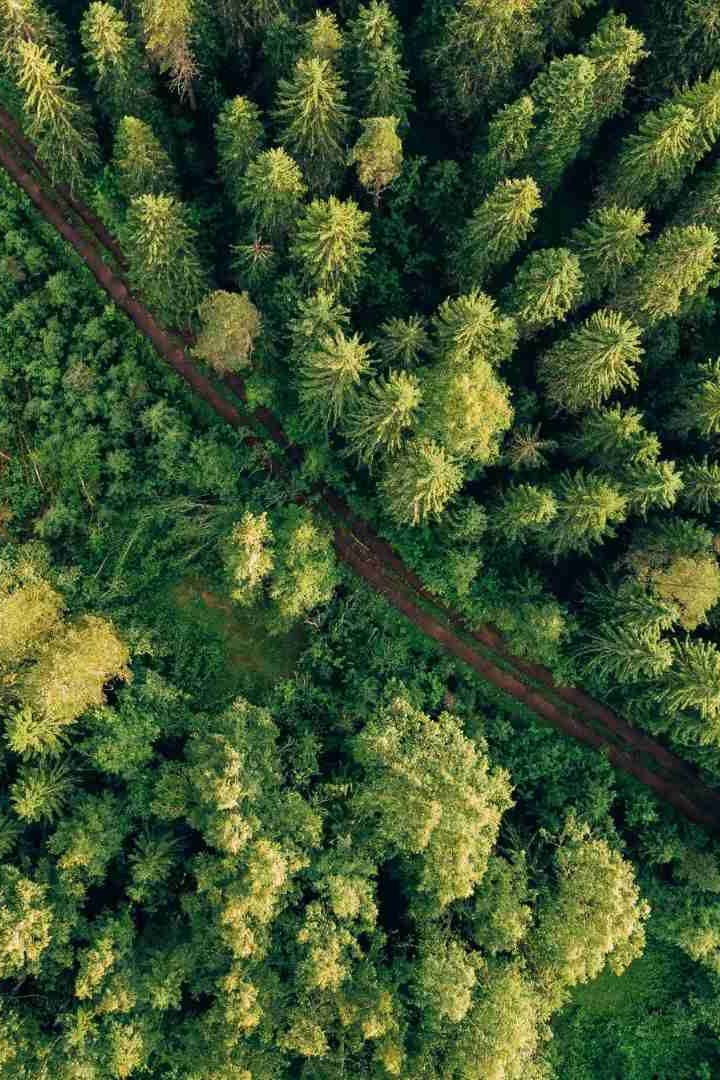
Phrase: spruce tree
(471, 326)
(608, 245)
(693, 682)
(419, 482)
(164, 264)
(317, 316)
(522, 509)
(507, 140)
(167, 27)
(614, 437)
(700, 410)
(39, 792)
(313, 120)
(466, 409)
(230, 324)
(378, 154)
(329, 377)
(382, 415)
(546, 287)
(648, 485)
(615, 50)
(481, 48)
(563, 97)
(331, 244)
(57, 122)
(403, 341)
(672, 271)
(115, 63)
(240, 137)
(527, 449)
(623, 654)
(701, 485)
(701, 206)
(376, 77)
(142, 166)
(496, 230)
(271, 192)
(588, 510)
(592, 362)
(322, 36)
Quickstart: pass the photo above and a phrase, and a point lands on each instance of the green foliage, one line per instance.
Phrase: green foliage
(466, 409)
(523, 509)
(608, 245)
(588, 509)
(141, 165)
(419, 482)
(240, 137)
(305, 574)
(403, 341)
(673, 269)
(271, 192)
(378, 154)
(248, 557)
(601, 356)
(167, 27)
(507, 140)
(496, 230)
(547, 286)
(164, 263)
(230, 324)
(471, 327)
(382, 415)
(115, 62)
(313, 119)
(331, 245)
(377, 80)
(563, 95)
(330, 376)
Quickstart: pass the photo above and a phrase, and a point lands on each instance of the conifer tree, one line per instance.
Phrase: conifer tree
(496, 230)
(507, 140)
(248, 556)
(318, 316)
(615, 50)
(522, 509)
(563, 97)
(378, 154)
(141, 164)
(382, 415)
(624, 654)
(701, 206)
(313, 120)
(547, 285)
(650, 484)
(403, 341)
(671, 272)
(27, 20)
(331, 244)
(57, 122)
(39, 792)
(588, 365)
(230, 323)
(608, 245)
(471, 326)
(701, 485)
(115, 62)
(271, 192)
(26, 929)
(693, 682)
(329, 378)
(675, 561)
(322, 36)
(419, 482)
(167, 27)
(240, 137)
(377, 79)
(527, 449)
(588, 509)
(700, 410)
(466, 409)
(481, 47)
(164, 264)
(613, 437)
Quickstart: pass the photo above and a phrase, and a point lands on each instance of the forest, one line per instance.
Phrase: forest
(359, 540)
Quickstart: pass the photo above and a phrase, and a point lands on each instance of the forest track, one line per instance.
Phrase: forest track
(373, 559)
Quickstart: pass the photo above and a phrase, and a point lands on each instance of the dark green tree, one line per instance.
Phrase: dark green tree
(547, 286)
(499, 226)
(313, 120)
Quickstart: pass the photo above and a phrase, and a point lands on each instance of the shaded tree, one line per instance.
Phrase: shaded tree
(378, 154)
(313, 120)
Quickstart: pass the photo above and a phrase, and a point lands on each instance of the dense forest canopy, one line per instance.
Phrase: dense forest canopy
(457, 264)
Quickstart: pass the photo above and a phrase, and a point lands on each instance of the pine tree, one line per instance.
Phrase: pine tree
(39, 792)
(588, 509)
(608, 245)
(693, 682)
(167, 27)
(115, 62)
(522, 509)
(563, 95)
(527, 449)
(403, 341)
(230, 324)
(271, 193)
(164, 264)
(466, 409)
(588, 365)
(331, 244)
(623, 654)
(378, 154)
(672, 271)
(329, 378)
(377, 79)
(507, 141)
(141, 164)
(27, 20)
(382, 415)
(419, 482)
(482, 46)
(700, 410)
(546, 287)
(615, 50)
(470, 327)
(248, 557)
(313, 120)
(240, 137)
(57, 122)
(322, 36)
(496, 230)
(650, 484)
(701, 485)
